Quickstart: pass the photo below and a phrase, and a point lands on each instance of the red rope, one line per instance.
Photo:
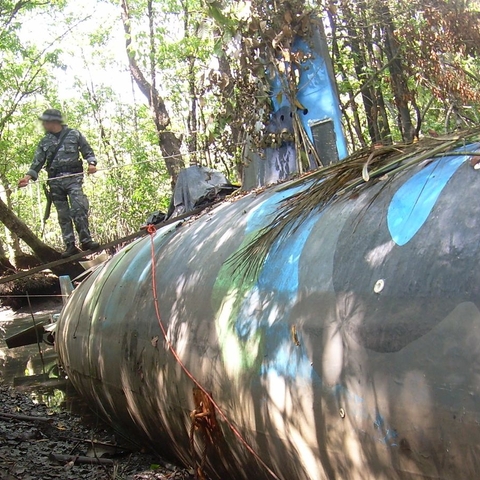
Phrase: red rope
(152, 231)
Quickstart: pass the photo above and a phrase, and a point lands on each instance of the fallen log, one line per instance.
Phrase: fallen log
(12, 294)
(78, 459)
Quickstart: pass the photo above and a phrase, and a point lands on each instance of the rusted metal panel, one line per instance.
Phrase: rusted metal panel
(352, 354)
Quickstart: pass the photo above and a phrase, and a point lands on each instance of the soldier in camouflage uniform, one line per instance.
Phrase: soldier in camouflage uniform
(65, 173)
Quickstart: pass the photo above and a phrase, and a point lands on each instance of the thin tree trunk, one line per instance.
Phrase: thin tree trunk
(206, 142)
(383, 123)
(168, 142)
(360, 67)
(348, 124)
(13, 241)
(5, 265)
(382, 117)
(192, 119)
(357, 125)
(397, 73)
(229, 92)
(97, 115)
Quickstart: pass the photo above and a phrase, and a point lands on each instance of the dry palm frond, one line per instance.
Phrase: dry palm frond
(328, 184)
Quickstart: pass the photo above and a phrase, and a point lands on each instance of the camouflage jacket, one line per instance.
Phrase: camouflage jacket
(67, 159)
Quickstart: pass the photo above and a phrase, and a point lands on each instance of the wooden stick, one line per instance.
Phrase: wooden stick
(39, 338)
(25, 418)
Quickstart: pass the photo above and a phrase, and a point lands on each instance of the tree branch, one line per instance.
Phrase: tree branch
(155, 101)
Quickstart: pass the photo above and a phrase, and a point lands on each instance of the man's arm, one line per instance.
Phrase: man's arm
(39, 160)
(87, 153)
(86, 150)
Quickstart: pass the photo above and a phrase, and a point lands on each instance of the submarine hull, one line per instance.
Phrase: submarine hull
(354, 353)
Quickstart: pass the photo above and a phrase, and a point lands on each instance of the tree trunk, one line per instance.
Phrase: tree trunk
(397, 73)
(5, 265)
(15, 224)
(360, 67)
(382, 117)
(13, 242)
(192, 119)
(41, 250)
(97, 115)
(225, 69)
(351, 97)
(168, 142)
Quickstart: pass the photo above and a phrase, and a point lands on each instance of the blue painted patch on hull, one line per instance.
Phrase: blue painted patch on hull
(413, 203)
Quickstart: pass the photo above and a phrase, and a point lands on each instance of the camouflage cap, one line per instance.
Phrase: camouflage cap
(51, 115)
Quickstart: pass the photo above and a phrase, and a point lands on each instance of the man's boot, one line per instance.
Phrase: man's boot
(89, 245)
(70, 251)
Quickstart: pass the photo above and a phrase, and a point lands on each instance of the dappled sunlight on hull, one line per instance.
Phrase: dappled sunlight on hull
(347, 356)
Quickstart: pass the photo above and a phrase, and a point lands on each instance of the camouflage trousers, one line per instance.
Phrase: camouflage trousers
(72, 208)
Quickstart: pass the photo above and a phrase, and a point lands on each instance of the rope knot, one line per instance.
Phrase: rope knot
(151, 230)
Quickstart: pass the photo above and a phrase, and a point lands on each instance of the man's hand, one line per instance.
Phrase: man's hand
(23, 182)
(91, 169)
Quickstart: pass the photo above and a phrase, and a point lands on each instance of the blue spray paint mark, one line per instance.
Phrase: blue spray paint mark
(279, 279)
(258, 217)
(288, 360)
(277, 284)
(266, 307)
(414, 201)
(387, 435)
(281, 271)
(340, 391)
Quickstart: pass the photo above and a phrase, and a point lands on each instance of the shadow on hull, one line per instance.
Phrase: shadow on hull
(352, 354)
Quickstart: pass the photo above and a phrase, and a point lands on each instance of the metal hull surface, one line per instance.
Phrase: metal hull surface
(354, 354)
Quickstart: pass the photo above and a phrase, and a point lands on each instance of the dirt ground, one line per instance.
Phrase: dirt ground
(45, 430)
(32, 449)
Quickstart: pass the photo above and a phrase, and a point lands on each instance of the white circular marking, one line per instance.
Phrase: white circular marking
(379, 286)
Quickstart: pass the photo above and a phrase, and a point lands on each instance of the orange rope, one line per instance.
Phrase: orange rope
(152, 231)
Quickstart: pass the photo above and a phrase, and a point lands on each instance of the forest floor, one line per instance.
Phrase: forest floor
(45, 429)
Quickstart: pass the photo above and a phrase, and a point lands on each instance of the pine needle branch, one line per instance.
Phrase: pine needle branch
(328, 184)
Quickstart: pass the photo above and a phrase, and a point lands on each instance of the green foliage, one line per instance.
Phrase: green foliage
(437, 45)
(212, 62)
